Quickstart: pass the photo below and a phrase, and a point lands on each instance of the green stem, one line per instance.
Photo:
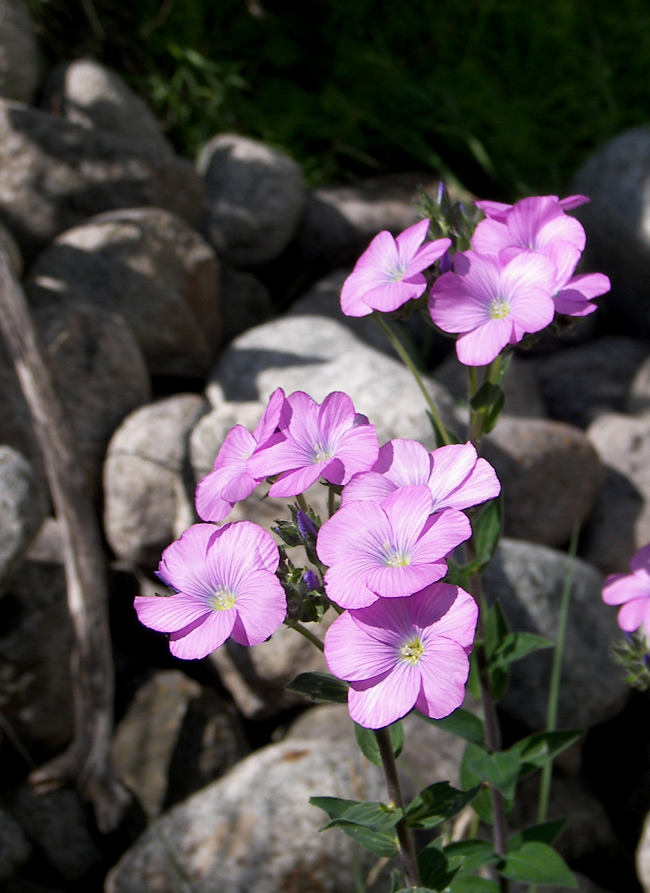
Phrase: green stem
(404, 839)
(302, 503)
(308, 634)
(556, 673)
(410, 365)
(331, 502)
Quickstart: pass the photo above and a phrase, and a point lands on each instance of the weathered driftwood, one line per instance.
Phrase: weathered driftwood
(86, 760)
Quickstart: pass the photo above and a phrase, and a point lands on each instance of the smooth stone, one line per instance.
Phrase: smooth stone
(253, 201)
(590, 379)
(527, 579)
(175, 738)
(317, 355)
(22, 509)
(245, 302)
(87, 93)
(148, 491)
(620, 523)
(54, 175)
(153, 269)
(20, 57)
(254, 829)
(550, 474)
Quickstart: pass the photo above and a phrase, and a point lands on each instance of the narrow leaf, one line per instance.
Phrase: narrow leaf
(487, 530)
(470, 854)
(467, 883)
(501, 769)
(333, 806)
(538, 749)
(321, 687)
(514, 646)
(370, 824)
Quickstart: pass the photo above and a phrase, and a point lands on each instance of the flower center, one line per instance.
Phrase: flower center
(394, 557)
(322, 452)
(499, 308)
(397, 273)
(412, 650)
(223, 599)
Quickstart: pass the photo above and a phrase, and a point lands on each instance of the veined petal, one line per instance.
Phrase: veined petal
(484, 344)
(409, 241)
(197, 642)
(620, 588)
(352, 654)
(397, 582)
(367, 485)
(407, 510)
(168, 614)
(183, 564)
(632, 614)
(261, 608)
(378, 702)
(458, 614)
(444, 668)
(443, 531)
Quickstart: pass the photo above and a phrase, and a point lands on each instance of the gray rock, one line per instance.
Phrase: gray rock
(522, 392)
(528, 579)
(15, 849)
(151, 267)
(617, 179)
(20, 58)
(550, 474)
(86, 93)
(61, 829)
(254, 197)
(175, 738)
(245, 302)
(642, 856)
(638, 398)
(22, 510)
(318, 355)
(257, 676)
(254, 829)
(35, 645)
(148, 487)
(55, 174)
(429, 755)
(339, 221)
(99, 375)
(580, 384)
(620, 523)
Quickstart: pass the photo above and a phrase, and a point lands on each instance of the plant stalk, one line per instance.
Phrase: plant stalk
(404, 839)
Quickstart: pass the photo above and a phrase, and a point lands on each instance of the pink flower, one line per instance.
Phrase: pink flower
(229, 481)
(531, 224)
(329, 440)
(389, 272)
(572, 294)
(403, 653)
(225, 585)
(499, 210)
(454, 474)
(491, 302)
(388, 549)
(632, 591)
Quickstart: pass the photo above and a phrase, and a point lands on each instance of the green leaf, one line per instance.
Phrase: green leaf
(367, 741)
(486, 396)
(370, 824)
(546, 833)
(486, 527)
(467, 883)
(500, 768)
(437, 803)
(496, 630)
(321, 687)
(537, 863)
(434, 868)
(514, 646)
(442, 436)
(538, 749)
(333, 806)
(470, 854)
(482, 803)
(461, 723)
(493, 413)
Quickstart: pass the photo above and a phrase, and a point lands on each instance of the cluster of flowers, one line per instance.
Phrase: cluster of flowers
(519, 272)
(403, 637)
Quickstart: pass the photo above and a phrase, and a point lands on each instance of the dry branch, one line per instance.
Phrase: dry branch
(86, 761)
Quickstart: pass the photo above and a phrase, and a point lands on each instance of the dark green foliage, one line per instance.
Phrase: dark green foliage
(503, 95)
